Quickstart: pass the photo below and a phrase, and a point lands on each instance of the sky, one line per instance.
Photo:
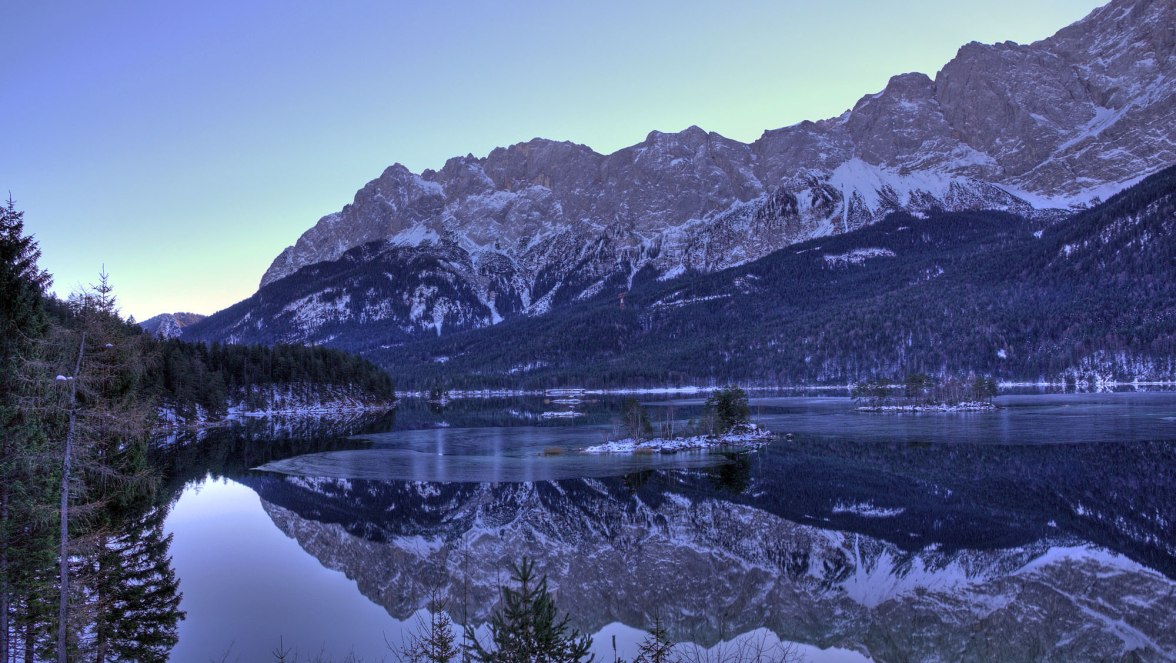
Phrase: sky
(184, 145)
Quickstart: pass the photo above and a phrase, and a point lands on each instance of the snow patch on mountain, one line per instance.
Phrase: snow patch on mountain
(856, 256)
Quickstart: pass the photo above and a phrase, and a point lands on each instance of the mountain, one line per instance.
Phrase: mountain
(1091, 300)
(1032, 130)
(170, 325)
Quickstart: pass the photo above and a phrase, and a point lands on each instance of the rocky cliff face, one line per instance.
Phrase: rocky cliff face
(170, 325)
(1024, 128)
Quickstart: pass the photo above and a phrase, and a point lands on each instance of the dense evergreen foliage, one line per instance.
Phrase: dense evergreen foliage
(966, 293)
(729, 408)
(82, 553)
(208, 376)
(26, 485)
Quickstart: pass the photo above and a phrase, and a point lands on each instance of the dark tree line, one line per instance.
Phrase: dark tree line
(210, 375)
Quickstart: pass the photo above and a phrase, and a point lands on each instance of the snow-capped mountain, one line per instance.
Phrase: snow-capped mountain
(170, 325)
(1052, 125)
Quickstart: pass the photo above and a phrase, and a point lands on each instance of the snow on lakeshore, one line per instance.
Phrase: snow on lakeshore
(749, 435)
(560, 415)
(970, 406)
(300, 401)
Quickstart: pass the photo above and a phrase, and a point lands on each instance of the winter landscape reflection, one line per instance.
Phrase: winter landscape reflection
(1010, 535)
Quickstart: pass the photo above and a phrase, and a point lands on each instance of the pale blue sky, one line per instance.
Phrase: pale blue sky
(185, 144)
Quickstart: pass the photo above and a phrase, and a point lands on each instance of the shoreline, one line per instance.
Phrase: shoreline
(169, 422)
(572, 392)
(945, 408)
(745, 436)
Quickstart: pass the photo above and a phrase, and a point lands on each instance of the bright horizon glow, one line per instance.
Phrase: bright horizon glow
(185, 146)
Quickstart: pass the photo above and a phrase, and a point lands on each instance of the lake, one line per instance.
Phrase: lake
(1044, 529)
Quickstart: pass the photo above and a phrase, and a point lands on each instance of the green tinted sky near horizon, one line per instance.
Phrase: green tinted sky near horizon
(185, 144)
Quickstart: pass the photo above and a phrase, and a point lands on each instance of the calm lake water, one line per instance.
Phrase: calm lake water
(1045, 529)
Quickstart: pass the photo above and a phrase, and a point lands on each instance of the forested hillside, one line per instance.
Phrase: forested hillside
(1089, 298)
(213, 376)
(208, 378)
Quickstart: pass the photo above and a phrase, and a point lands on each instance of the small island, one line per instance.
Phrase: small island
(726, 423)
(923, 393)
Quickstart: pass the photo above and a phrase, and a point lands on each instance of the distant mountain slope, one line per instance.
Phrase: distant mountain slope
(1093, 298)
(170, 325)
(540, 226)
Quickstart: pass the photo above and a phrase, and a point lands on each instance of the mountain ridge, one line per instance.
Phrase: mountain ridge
(1090, 300)
(532, 227)
(988, 139)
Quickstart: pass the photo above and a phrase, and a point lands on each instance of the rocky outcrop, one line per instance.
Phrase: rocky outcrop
(170, 325)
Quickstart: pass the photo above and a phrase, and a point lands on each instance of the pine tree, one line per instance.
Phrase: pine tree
(22, 323)
(526, 627)
(109, 420)
(729, 408)
(657, 647)
(434, 641)
(134, 591)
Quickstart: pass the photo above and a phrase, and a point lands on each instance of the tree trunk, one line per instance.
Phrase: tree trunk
(63, 600)
(4, 588)
(30, 642)
(101, 628)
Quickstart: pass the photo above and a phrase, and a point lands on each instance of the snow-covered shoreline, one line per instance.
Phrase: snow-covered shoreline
(290, 402)
(970, 406)
(1059, 385)
(748, 436)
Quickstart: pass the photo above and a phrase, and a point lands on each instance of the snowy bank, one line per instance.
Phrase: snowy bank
(748, 436)
(969, 406)
(297, 401)
(569, 414)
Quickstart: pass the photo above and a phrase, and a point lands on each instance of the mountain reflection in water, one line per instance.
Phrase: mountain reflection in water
(902, 550)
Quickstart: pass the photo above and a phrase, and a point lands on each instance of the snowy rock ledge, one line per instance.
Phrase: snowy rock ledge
(968, 406)
(748, 436)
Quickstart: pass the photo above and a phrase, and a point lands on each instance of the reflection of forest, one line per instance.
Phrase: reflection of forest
(124, 602)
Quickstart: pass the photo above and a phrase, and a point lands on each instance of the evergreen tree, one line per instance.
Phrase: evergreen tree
(134, 592)
(434, 641)
(729, 408)
(22, 484)
(656, 647)
(109, 418)
(526, 626)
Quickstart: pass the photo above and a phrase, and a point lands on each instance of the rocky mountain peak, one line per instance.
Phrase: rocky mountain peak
(539, 162)
(1025, 128)
(170, 325)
